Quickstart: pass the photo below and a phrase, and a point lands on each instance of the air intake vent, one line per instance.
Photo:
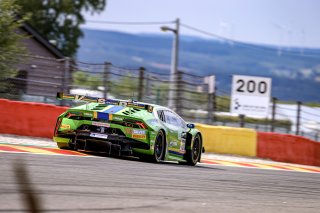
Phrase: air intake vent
(133, 110)
(99, 107)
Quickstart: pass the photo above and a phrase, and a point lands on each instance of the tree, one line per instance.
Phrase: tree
(10, 45)
(60, 20)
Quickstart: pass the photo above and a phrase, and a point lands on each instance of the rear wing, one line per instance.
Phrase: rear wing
(118, 102)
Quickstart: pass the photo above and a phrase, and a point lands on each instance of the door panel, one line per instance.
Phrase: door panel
(176, 145)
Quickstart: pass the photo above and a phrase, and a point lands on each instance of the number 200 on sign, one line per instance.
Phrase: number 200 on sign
(251, 86)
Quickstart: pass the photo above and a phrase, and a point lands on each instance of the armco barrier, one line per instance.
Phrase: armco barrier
(29, 119)
(38, 120)
(288, 148)
(229, 140)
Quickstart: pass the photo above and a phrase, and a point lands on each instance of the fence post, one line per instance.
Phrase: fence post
(141, 79)
(65, 76)
(210, 107)
(298, 117)
(209, 82)
(148, 89)
(214, 105)
(274, 103)
(106, 70)
(241, 117)
(158, 97)
(178, 93)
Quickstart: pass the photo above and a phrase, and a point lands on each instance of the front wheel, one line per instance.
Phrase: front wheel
(193, 155)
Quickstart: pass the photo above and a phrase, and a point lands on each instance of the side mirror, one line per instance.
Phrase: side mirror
(191, 126)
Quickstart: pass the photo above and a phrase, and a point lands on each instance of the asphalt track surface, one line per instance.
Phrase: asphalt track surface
(105, 184)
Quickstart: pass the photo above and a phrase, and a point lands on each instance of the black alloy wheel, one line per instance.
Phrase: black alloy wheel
(159, 147)
(194, 154)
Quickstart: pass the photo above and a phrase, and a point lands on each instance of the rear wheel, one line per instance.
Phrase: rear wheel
(159, 147)
(193, 155)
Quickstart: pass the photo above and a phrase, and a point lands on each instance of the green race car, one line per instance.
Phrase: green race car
(126, 127)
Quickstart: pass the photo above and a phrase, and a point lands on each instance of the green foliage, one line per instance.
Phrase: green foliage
(10, 45)
(312, 104)
(126, 87)
(161, 90)
(60, 20)
(247, 120)
(223, 103)
(92, 81)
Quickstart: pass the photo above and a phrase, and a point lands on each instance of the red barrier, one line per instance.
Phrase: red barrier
(29, 119)
(317, 153)
(288, 148)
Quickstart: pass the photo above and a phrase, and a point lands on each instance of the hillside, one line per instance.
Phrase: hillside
(295, 74)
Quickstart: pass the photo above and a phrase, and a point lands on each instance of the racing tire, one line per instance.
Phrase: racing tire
(194, 155)
(159, 147)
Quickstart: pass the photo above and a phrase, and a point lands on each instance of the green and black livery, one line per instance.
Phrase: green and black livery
(126, 127)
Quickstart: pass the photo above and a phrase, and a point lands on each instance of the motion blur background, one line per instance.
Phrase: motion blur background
(115, 49)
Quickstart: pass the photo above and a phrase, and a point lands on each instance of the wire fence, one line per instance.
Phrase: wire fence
(39, 79)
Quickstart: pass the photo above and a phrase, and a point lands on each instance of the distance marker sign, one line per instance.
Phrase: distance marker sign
(250, 95)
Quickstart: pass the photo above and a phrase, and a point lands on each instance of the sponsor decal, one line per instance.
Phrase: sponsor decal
(97, 135)
(183, 145)
(128, 130)
(173, 144)
(171, 151)
(65, 126)
(139, 134)
(100, 124)
(87, 114)
(117, 118)
(75, 112)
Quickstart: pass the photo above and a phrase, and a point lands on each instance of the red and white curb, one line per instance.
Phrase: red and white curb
(57, 151)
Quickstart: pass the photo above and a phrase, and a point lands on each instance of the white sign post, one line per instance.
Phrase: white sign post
(210, 81)
(250, 95)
